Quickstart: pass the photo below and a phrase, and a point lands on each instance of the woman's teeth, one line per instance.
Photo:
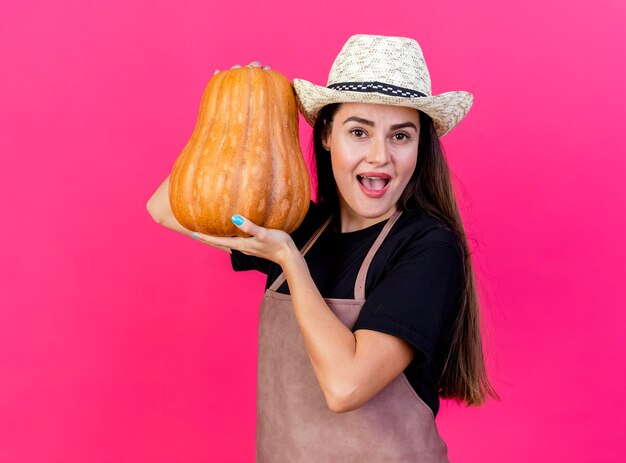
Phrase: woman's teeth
(373, 183)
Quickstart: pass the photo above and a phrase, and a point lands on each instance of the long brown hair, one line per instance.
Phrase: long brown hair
(464, 377)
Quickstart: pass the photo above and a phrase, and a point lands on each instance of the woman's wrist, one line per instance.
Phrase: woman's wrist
(291, 258)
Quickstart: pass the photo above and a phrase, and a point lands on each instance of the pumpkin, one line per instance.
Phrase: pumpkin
(243, 157)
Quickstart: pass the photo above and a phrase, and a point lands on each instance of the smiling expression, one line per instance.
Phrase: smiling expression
(373, 151)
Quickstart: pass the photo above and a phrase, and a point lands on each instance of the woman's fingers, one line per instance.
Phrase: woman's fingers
(247, 226)
(232, 242)
(263, 242)
(216, 241)
(256, 64)
(253, 64)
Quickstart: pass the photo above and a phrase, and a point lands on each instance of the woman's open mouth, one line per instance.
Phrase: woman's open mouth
(374, 184)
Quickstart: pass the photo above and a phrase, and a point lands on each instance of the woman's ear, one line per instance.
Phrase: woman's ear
(326, 138)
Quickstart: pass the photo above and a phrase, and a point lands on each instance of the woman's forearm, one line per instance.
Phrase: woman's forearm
(159, 208)
(331, 346)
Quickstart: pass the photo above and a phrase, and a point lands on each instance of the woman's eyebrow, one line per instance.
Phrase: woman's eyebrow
(403, 125)
(359, 120)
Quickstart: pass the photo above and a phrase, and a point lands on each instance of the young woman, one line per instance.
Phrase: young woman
(370, 312)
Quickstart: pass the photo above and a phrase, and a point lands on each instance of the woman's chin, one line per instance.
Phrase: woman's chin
(362, 215)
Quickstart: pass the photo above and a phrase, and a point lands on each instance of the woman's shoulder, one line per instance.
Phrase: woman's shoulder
(417, 242)
(418, 227)
(418, 237)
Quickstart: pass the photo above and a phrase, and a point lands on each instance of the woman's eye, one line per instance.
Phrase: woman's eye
(357, 133)
(400, 136)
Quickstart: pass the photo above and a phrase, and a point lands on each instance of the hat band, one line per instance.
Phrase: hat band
(377, 87)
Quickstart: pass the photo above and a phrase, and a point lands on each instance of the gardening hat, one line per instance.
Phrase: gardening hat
(383, 70)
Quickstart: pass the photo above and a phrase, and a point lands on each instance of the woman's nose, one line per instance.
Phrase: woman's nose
(378, 153)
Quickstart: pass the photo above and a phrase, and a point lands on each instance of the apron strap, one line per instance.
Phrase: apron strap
(281, 278)
(359, 285)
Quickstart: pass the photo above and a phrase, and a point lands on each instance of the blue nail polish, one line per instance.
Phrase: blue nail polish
(237, 219)
(194, 235)
(256, 63)
(266, 67)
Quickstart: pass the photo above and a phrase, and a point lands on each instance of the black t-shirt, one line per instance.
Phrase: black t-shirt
(412, 289)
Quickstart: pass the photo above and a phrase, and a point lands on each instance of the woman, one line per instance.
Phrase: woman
(370, 312)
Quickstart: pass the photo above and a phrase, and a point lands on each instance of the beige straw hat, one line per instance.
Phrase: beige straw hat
(383, 70)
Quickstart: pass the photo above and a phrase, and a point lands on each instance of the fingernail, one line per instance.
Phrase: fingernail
(237, 219)
(266, 67)
(256, 63)
(236, 66)
(194, 235)
(216, 71)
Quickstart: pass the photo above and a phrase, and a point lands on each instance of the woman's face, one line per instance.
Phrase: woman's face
(373, 151)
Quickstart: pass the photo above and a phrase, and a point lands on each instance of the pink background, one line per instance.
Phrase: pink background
(123, 341)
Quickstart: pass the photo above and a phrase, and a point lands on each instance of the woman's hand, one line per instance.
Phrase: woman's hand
(267, 243)
(253, 64)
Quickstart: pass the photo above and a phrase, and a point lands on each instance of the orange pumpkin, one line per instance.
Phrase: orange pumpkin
(243, 157)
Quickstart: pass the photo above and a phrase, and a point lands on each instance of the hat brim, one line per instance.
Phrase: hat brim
(446, 109)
